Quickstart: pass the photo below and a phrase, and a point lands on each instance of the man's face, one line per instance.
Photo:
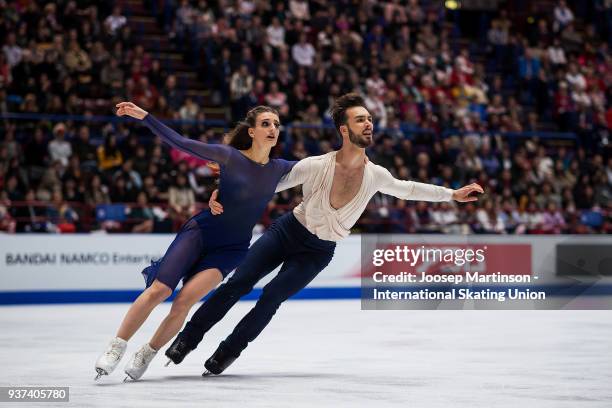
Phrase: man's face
(360, 127)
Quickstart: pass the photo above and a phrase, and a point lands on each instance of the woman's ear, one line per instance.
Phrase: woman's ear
(251, 132)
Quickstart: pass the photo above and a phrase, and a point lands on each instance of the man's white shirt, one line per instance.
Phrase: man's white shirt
(316, 174)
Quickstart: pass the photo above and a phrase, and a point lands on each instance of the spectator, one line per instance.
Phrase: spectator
(83, 148)
(496, 35)
(303, 52)
(299, 9)
(60, 149)
(132, 178)
(553, 222)
(115, 21)
(96, 192)
(142, 215)
(376, 107)
(241, 83)
(563, 16)
(7, 224)
(556, 53)
(30, 214)
(275, 98)
(78, 62)
(5, 72)
(442, 106)
(575, 78)
(112, 77)
(189, 111)
(12, 52)
(109, 156)
(534, 218)
(62, 218)
(171, 94)
(276, 34)
(181, 200)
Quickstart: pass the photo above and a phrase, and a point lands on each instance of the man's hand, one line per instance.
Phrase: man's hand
(215, 207)
(463, 194)
(130, 109)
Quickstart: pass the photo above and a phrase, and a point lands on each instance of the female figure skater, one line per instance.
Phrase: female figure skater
(207, 248)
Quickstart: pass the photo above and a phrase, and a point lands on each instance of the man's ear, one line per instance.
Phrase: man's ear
(343, 130)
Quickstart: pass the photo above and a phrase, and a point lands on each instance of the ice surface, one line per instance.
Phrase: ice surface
(327, 354)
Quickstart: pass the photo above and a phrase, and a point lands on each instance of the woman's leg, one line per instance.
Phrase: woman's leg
(180, 257)
(142, 308)
(195, 289)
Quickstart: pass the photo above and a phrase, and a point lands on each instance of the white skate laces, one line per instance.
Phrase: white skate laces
(139, 362)
(109, 360)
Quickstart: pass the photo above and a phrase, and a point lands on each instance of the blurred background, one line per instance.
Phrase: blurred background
(513, 95)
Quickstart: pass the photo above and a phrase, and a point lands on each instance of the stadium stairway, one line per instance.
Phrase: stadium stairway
(148, 31)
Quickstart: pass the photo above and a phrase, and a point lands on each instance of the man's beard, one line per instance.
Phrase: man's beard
(362, 142)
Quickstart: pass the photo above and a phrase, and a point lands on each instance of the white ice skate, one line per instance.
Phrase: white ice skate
(108, 361)
(139, 362)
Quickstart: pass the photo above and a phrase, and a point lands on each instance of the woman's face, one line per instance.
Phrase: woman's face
(266, 130)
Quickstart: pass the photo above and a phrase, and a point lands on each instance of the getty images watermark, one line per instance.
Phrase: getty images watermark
(455, 272)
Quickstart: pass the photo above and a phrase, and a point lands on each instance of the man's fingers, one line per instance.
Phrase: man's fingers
(477, 187)
(215, 207)
(472, 188)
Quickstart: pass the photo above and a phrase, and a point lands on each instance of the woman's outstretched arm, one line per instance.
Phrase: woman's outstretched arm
(214, 152)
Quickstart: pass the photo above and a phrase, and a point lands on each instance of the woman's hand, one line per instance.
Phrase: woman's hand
(129, 109)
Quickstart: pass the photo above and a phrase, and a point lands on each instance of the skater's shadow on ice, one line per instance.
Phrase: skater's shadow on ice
(263, 376)
(198, 378)
(237, 377)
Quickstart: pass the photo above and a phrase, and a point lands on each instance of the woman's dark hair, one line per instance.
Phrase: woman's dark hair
(341, 105)
(239, 136)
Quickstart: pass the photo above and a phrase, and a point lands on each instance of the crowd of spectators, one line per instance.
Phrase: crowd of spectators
(448, 112)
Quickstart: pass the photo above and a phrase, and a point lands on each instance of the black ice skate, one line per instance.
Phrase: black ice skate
(178, 350)
(219, 361)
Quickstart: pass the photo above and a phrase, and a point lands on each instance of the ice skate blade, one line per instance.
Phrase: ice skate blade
(100, 372)
(206, 373)
(126, 378)
(168, 363)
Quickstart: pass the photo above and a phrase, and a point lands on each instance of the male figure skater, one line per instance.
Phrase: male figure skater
(336, 188)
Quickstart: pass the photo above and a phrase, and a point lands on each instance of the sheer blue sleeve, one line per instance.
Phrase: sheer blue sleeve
(215, 152)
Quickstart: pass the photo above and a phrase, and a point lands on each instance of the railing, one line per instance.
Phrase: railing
(408, 130)
(105, 119)
(87, 215)
(88, 219)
